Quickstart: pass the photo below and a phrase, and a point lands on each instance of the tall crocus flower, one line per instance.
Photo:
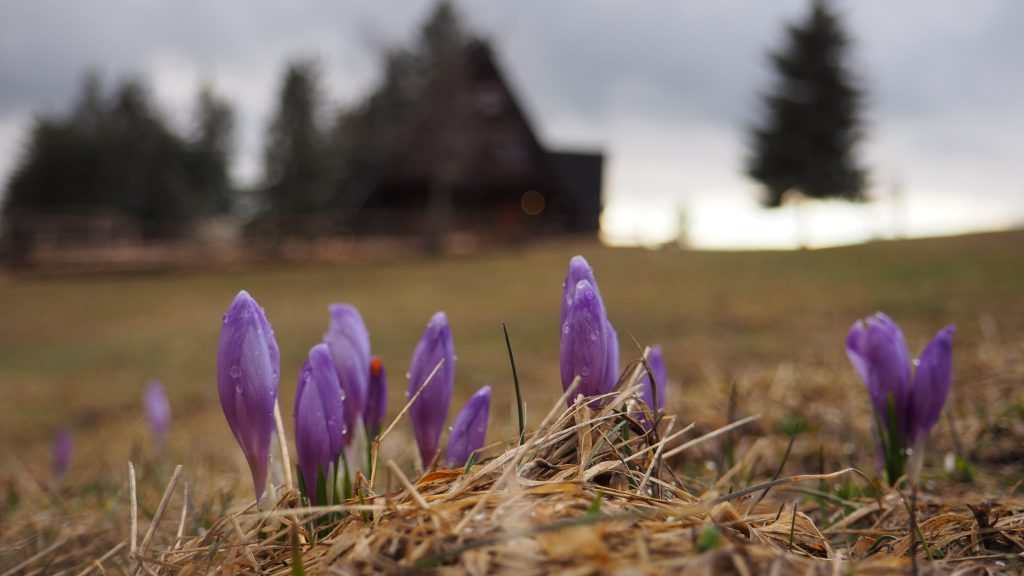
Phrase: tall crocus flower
(248, 368)
(62, 446)
(579, 269)
(319, 418)
(377, 398)
(906, 409)
(349, 342)
(470, 429)
(589, 348)
(653, 393)
(158, 411)
(430, 411)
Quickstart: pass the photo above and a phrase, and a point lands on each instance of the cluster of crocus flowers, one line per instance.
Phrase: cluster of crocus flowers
(589, 345)
(906, 408)
(248, 368)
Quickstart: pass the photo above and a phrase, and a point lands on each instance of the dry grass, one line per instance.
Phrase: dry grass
(587, 491)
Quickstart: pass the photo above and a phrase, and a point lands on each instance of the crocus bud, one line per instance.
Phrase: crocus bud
(586, 344)
(470, 429)
(579, 269)
(158, 411)
(430, 411)
(653, 394)
(377, 397)
(319, 417)
(62, 445)
(878, 352)
(931, 384)
(349, 342)
(248, 367)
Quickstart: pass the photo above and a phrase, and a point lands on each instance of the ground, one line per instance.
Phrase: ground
(744, 333)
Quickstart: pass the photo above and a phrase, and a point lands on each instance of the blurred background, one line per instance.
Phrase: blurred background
(409, 156)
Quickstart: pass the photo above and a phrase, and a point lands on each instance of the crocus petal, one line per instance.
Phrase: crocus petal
(248, 367)
(430, 411)
(158, 410)
(878, 352)
(377, 397)
(611, 368)
(579, 269)
(656, 404)
(584, 346)
(62, 446)
(470, 428)
(319, 416)
(931, 383)
(349, 342)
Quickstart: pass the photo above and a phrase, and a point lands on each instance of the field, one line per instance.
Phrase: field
(743, 334)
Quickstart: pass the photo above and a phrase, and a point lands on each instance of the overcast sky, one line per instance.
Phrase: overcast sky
(666, 88)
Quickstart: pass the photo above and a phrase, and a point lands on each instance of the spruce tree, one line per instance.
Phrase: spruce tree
(296, 177)
(807, 141)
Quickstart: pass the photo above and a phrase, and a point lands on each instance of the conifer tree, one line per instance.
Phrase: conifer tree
(807, 141)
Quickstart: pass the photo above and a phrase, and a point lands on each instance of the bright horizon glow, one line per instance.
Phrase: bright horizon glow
(734, 224)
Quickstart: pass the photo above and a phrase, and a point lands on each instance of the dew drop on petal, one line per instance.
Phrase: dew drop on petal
(235, 371)
(595, 335)
(238, 389)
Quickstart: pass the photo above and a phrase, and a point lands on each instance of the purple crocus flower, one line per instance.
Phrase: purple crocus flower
(654, 396)
(349, 342)
(158, 411)
(878, 352)
(579, 269)
(248, 368)
(62, 446)
(377, 397)
(589, 348)
(470, 429)
(319, 417)
(430, 411)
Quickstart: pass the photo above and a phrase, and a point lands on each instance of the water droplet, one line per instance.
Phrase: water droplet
(565, 328)
(449, 428)
(344, 429)
(238, 389)
(342, 394)
(235, 371)
(225, 318)
(408, 375)
(595, 335)
(585, 371)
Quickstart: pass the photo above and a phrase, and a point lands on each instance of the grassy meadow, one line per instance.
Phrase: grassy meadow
(743, 333)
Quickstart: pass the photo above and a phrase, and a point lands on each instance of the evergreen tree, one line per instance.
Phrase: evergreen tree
(295, 181)
(807, 142)
(116, 154)
(212, 143)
